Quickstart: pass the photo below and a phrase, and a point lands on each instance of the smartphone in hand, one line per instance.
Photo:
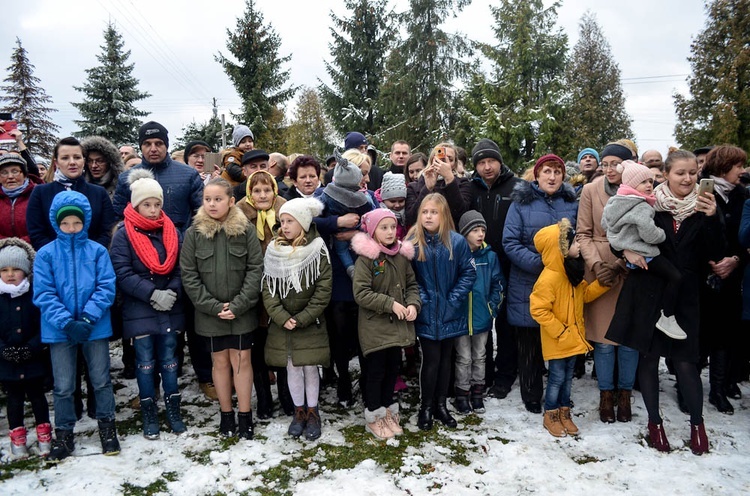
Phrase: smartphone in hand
(706, 186)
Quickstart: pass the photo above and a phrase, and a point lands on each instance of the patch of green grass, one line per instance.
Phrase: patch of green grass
(582, 460)
(156, 487)
(473, 420)
(10, 469)
(498, 438)
(199, 457)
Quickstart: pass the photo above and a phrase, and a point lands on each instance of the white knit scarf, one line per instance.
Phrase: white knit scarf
(723, 187)
(286, 268)
(15, 291)
(678, 209)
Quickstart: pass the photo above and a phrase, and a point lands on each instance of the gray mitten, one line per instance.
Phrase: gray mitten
(162, 300)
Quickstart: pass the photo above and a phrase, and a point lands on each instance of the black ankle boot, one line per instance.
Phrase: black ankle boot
(245, 425)
(424, 420)
(227, 425)
(443, 415)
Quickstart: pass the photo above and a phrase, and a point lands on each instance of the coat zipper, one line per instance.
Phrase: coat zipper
(75, 276)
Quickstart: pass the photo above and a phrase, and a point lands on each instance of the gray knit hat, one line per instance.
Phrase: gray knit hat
(240, 132)
(346, 174)
(469, 220)
(14, 159)
(16, 257)
(393, 186)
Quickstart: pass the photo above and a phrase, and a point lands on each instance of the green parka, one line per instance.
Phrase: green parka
(307, 344)
(222, 262)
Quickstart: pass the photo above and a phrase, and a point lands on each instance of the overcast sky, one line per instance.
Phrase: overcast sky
(173, 44)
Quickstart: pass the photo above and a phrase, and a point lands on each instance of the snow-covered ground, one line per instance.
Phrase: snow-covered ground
(504, 451)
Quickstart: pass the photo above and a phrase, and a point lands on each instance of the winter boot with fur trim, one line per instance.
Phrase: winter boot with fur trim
(18, 443)
(552, 423)
(376, 424)
(392, 419)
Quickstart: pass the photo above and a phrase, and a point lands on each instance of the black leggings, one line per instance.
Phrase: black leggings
(662, 267)
(382, 371)
(434, 377)
(530, 363)
(688, 378)
(33, 389)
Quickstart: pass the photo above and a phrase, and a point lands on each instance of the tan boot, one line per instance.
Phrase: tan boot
(376, 424)
(392, 420)
(567, 421)
(552, 423)
(209, 390)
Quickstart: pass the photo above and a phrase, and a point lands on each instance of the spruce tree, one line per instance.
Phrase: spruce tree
(421, 70)
(27, 101)
(595, 105)
(718, 107)
(255, 70)
(110, 94)
(207, 131)
(310, 132)
(358, 50)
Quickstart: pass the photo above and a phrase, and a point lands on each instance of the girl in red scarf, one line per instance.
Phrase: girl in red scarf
(144, 253)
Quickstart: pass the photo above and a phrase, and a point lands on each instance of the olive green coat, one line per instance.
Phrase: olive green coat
(222, 262)
(307, 344)
(375, 290)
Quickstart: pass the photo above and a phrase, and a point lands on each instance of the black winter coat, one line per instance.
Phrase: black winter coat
(20, 325)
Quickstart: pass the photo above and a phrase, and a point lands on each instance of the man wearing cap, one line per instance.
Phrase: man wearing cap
(182, 185)
(491, 185)
(700, 155)
(588, 161)
(252, 161)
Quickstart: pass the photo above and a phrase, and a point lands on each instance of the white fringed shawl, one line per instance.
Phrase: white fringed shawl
(286, 268)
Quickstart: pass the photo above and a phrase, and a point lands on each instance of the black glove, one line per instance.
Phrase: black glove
(16, 354)
(78, 331)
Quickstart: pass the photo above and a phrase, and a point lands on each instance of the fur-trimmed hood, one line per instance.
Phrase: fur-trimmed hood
(364, 245)
(526, 192)
(235, 224)
(111, 155)
(6, 242)
(553, 245)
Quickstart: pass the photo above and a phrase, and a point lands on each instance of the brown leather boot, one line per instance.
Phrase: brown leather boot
(624, 414)
(607, 406)
(552, 423)
(567, 421)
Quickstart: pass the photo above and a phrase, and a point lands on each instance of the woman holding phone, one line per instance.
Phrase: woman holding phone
(439, 177)
(694, 237)
(721, 328)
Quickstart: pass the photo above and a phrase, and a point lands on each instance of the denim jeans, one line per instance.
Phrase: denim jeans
(559, 383)
(627, 365)
(64, 358)
(471, 353)
(151, 351)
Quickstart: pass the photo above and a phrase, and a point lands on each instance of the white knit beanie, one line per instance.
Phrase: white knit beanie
(142, 186)
(393, 186)
(303, 210)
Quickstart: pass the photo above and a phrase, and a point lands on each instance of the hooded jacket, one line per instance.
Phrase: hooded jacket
(444, 286)
(554, 303)
(486, 296)
(629, 223)
(379, 281)
(73, 277)
(111, 155)
(532, 209)
(19, 326)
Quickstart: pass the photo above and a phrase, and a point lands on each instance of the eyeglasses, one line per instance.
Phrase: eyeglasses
(198, 157)
(10, 172)
(610, 165)
(97, 161)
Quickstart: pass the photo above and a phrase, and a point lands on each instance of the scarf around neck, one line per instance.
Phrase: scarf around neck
(609, 188)
(625, 190)
(287, 268)
(135, 223)
(263, 217)
(63, 179)
(678, 209)
(723, 187)
(15, 291)
(16, 192)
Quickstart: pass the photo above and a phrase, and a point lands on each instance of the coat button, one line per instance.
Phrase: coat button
(18, 309)
(19, 331)
(21, 376)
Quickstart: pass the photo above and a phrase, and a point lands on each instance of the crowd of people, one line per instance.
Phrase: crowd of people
(281, 270)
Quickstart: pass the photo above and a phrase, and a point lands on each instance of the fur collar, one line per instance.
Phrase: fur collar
(526, 192)
(364, 245)
(235, 224)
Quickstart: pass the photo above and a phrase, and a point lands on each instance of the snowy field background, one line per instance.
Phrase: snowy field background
(503, 451)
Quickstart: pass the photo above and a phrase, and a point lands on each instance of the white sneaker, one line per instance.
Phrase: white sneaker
(670, 327)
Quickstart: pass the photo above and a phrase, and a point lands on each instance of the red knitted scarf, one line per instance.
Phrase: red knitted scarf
(142, 243)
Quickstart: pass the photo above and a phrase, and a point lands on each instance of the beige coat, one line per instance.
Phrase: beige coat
(595, 248)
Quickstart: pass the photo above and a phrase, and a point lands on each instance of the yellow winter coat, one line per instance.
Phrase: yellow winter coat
(554, 303)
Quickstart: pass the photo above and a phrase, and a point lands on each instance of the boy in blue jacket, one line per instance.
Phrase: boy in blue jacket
(74, 289)
(485, 299)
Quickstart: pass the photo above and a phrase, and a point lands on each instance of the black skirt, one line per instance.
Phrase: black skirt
(229, 342)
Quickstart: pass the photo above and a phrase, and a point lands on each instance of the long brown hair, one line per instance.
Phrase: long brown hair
(417, 233)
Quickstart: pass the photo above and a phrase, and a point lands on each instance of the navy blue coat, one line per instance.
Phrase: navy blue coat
(137, 283)
(38, 224)
(531, 210)
(486, 297)
(444, 287)
(183, 191)
(19, 326)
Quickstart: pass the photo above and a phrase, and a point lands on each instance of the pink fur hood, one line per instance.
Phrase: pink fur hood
(364, 245)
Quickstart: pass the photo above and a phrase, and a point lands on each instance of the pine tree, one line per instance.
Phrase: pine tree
(255, 71)
(420, 73)
(110, 94)
(595, 105)
(310, 131)
(718, 108)
(27, 101)
(359, 47)
(519, 105)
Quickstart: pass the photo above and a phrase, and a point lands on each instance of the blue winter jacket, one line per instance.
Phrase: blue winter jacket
(137, 283)
(444, 286)
(73, 277)
(486, 297)
(183, 191)
(531, 210)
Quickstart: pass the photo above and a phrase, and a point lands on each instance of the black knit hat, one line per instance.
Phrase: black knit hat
(151, 130)
(485, 148)
(615, 150)
(469, 220)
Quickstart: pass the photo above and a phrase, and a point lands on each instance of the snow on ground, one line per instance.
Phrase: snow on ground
(504, 451)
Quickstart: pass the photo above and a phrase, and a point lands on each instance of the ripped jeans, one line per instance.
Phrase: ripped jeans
(156, 353)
